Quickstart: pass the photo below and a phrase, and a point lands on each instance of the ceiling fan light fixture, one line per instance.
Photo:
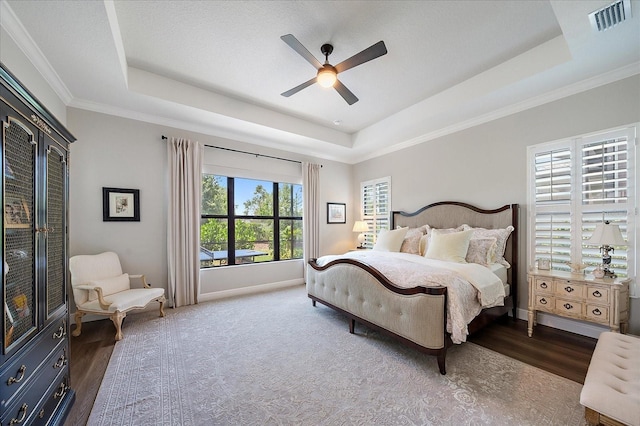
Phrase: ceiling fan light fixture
(327, 76)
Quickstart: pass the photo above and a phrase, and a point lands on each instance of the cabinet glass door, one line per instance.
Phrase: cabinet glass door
(55, 229)
(19, 164)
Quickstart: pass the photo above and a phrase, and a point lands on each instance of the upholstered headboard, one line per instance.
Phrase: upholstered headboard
(450, 214)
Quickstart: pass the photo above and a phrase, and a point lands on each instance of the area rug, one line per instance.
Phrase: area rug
(273, 359)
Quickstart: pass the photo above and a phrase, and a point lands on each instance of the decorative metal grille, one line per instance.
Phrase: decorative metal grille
(19, 224)
(55, 231)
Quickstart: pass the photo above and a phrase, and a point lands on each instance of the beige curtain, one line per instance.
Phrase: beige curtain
(183, 229)
(311, 216)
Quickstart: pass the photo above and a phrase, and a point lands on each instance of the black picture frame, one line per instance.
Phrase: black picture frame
(336, 213)
(120, 205)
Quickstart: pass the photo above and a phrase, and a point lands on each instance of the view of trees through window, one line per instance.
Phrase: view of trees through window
(247, 220)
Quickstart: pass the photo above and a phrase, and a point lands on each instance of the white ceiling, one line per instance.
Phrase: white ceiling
(218, 67)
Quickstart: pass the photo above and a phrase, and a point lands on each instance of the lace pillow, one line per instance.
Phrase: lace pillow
(500, 234)
(482, 251)
(411, 242)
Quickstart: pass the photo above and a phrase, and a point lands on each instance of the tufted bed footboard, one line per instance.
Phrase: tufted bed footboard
(415, 316)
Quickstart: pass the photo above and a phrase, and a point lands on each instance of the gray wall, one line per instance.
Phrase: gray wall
(487, 165)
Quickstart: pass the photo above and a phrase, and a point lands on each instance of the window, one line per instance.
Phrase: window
(376, 207)
(576, 184)
(249, 221)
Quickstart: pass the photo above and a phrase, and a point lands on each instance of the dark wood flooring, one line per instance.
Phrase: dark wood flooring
(559, 352)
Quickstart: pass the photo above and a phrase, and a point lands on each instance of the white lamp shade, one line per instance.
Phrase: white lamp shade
(360, 226)
(326, 77)
(607, 234)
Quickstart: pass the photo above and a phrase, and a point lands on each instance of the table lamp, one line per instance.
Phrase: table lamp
(360, 226)
(606, 235)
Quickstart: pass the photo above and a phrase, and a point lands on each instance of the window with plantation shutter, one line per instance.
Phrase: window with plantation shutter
(375, 207)
(576, 184)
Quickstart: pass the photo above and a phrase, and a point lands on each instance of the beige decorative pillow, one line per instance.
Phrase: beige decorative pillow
(411, 242)
(390, 240)
(500, 234)
(451, 247)
(482, 251)
(441, 230)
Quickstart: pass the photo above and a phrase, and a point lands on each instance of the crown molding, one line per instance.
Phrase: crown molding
(13, 26)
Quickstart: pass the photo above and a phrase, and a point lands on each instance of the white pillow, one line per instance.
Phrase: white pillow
(451, 247)
(390, 240)
(110, 285)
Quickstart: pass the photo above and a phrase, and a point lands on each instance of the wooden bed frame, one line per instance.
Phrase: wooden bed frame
(446, 214)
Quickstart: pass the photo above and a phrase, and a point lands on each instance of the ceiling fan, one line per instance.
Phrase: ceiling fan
(327, 75)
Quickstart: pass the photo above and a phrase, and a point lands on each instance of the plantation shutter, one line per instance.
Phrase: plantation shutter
(376, 207)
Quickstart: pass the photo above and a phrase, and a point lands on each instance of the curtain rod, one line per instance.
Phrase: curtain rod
(249, 153)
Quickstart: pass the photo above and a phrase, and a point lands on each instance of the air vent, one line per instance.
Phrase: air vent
(609, 16)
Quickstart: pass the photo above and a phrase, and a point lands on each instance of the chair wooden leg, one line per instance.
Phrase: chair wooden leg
(78, 330)
(161, 300)
(117, 318)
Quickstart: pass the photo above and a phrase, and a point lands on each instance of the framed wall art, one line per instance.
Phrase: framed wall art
(336, 213)
(120, 205)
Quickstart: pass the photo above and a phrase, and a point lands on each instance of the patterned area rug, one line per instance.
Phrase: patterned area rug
(272, 358)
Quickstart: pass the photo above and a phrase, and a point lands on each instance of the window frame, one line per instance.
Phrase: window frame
(231, 218)
(581, 213)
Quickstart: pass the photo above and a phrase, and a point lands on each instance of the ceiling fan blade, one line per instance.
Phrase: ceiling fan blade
(345, 93)
(298, 88)
(302, 51)
(371, 52)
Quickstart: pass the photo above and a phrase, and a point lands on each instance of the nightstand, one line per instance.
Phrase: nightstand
(602, 301)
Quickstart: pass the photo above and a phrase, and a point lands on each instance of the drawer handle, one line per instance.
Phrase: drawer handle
(62, 361)
(60, 333)
(597, 294)
(23, 409)
(543, 301)
(62, 390)
(568, 289)
(21, 371)
(596, 311)
(543, 285)
(568, 306)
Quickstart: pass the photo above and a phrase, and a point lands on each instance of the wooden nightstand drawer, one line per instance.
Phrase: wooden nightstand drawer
(598, 294)
(544, 285)
(568, 307)
(597, 313)
(545, 303)
(568, 288)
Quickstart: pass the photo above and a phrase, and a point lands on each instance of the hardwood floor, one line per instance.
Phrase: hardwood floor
(559, 352)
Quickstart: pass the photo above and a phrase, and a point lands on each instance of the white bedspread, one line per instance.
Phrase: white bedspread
(470, 287)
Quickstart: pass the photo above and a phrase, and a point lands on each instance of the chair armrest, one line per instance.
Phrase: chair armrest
(103, 303)
(142, 279)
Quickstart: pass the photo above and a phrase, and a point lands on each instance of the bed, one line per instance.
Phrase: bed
(424, 301)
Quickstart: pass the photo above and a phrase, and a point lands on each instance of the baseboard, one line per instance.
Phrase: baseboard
(249, 290)
(566, 324)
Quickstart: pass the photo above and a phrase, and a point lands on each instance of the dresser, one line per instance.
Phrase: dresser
(34, 355)
(582, 297)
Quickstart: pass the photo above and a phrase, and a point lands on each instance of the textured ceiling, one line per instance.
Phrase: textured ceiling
(219, 67)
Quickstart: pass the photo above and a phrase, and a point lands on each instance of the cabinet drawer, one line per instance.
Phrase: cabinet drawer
(544, 285)
(597, 313)
(568, 307)
(544, 302)
(569, 289)
(58, 391)
(19, 371)
(598, 294)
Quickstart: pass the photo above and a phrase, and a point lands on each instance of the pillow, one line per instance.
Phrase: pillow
(451, 247)
(110, 285)
(482, 251)
(500, 234)
(390, 240)
(411, 242)
(442, 231)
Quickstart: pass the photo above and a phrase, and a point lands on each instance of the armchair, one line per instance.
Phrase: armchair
(100, 287)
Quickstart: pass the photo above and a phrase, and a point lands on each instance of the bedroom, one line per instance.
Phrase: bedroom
(127, 152)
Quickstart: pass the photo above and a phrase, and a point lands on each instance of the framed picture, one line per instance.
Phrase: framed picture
(336, 213)
(120, 205)
(16, 213)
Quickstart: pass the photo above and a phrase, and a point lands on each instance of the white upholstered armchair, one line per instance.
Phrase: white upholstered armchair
(100, 287)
